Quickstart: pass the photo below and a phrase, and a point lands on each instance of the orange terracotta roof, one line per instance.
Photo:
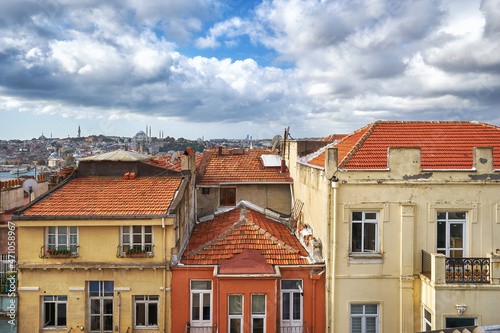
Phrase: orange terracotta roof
(230, 233)
(109, 196)
(444, 145)
(248, 167)
(333, 137)
(165, 161)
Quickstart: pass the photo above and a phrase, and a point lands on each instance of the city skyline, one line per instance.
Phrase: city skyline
(221, 68)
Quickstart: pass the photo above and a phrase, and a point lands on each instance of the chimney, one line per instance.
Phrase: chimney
(220, 150)
(283, 166)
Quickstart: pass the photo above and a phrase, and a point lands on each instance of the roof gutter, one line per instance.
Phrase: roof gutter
(87, 217)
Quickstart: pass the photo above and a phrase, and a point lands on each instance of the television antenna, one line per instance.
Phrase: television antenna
(276, 142)
(175, 157)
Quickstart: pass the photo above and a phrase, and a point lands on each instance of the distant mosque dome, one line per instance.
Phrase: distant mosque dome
(140, 137)
(42, 137)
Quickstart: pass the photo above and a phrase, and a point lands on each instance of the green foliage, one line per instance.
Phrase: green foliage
(181, 146)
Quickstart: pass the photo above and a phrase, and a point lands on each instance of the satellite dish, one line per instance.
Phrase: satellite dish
(174, 157)
(30, 186)
(276, 142)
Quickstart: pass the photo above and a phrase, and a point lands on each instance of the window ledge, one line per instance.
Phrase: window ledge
(366, 258)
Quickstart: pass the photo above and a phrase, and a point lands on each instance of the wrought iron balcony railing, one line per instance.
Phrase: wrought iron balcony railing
(60, 252)
(467, 270)
(200, 329)
(294, 329)
(128, 251)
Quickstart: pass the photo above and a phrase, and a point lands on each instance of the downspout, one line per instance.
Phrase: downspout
(164, 275)
(278, 313)
(313, 322)
(119, 305)
(333, 251)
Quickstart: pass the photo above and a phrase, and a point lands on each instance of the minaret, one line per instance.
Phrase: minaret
(79, 131)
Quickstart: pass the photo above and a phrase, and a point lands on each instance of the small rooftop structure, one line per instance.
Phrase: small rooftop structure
(118, 155)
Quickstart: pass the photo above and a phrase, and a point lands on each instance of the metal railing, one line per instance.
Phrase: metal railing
(426, 264)
(200, 329)
(294, 329)
(128, 251)
(8, 273)
(467, 270)
(59, 253)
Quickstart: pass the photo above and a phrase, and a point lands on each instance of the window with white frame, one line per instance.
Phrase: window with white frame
(452, 322)
(364, 318)
(235, 313)
(291, 304)
(258, 313)
(427, 320)
(146, 309)
(62, 238)
(201, 303)
(137, 239)
(100, 306)
(451, 234)
(54, 311)
(364, 232)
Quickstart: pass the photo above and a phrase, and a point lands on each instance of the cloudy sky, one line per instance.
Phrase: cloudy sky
(228, 68)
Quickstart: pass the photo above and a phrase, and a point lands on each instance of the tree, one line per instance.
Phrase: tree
(41, 161)
(70, 160)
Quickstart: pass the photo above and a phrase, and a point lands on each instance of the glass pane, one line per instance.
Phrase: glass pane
(154, 297)
(456, 235)
(195, 310)
(291, 284)
(456, 254)
(108, 306)
(206, 306)
(427, 315)
(94, 288)
(370, 237)
(73, 230)
(50, 314)
(231, 196)
(371, 325)
(148, 239)
(235, 304)
(148, 229)
(62, 298)
(95, 323)
(61, 314)
(222, 196)
(139, 298)
(371, 216)
(201, 285)
(456, 215)
(357, 216)
(95, 306)
(137, 239)
(126, 230)
(107, 323)
(137, 229)
(356, 325)
(441, 216)
(73, 239)
(153, 314)
(52, 239)
(258, 304)
(356, 237)
(258, 325)
(140, 314)
(356, 308)
(441, 235)
(52, 230)
(296, 306)
(235, 325)
(48, 298)
(108, 288)
(371, 308)
(62, 240)
(285, 306)
(460, 322)
(62, 230)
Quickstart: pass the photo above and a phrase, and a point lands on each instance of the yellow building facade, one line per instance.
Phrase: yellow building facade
(412, 245)
(95, 252)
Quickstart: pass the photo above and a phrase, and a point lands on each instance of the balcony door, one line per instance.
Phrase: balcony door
(451, 234)
(291, 306)
(101, 306)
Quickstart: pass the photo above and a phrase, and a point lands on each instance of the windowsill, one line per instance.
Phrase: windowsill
(146, 328)
(365, 258)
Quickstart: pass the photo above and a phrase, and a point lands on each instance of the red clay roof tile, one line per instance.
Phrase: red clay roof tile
(248, 167)
(228, 234)
(444, 145)
(109, 196)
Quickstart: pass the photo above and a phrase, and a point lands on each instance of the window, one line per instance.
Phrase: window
(427, 320)
(235, 313)
(205, 190)
(291, 303)
(62, 238)
(54, 309)
(364, 232)
(137, 239)
(101, 306)
(228, 196)
(451, 234)
(146, 309)
(258, 313)
(201, 303)
(459, 322)
(364, 318)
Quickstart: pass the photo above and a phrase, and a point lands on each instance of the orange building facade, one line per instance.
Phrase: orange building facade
(244, 271)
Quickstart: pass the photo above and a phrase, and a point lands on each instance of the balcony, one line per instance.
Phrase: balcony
(440, 269)
(294, 329)
(59, 252)
(127, 251)
(200, 329)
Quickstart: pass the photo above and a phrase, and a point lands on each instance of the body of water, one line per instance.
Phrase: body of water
(10, 176)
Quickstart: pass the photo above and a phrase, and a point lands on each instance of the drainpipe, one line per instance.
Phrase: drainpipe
(313, 323)
(119, 305)
(164, 276)
(333, 250)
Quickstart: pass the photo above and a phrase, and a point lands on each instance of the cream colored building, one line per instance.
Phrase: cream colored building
(401, 209)
(95, 252)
